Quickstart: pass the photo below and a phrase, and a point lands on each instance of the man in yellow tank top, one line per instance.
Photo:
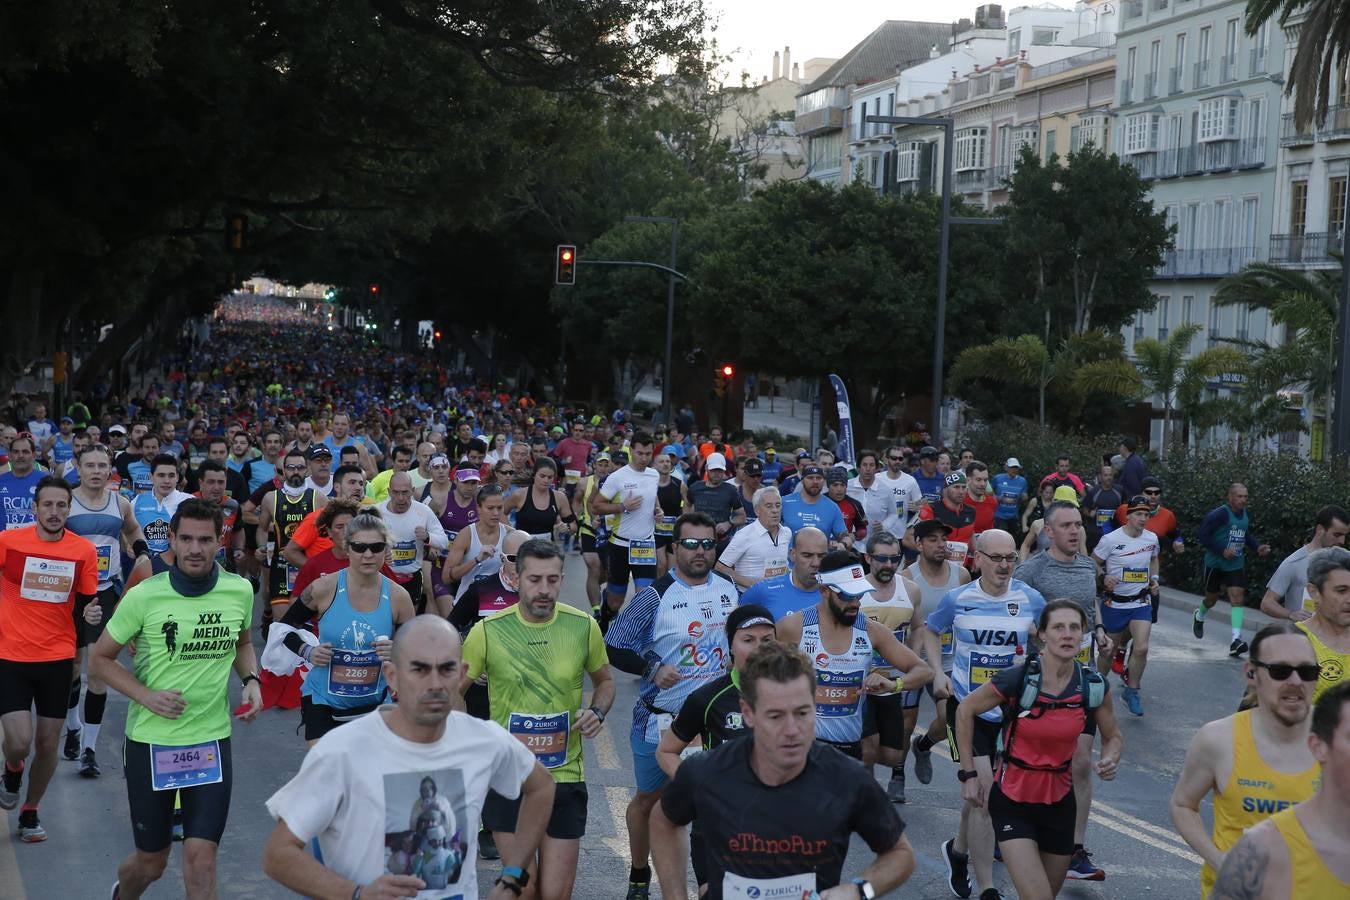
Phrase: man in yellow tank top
(1255, 762)
(1329, 627)
(1302, 852)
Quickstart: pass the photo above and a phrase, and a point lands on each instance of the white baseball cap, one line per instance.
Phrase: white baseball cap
(715, 461)
(848, 580)
(1013, 463)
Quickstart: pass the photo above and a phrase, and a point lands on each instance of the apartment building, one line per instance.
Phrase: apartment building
(1197, 104)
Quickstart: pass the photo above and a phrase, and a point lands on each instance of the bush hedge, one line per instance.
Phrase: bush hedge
(1285, 491)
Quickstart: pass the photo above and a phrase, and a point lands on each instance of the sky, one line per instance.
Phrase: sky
(750, 30)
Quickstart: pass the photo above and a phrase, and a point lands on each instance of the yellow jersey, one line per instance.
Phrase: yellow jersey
(1254, 792)
(1332, 661)
(1310, 876)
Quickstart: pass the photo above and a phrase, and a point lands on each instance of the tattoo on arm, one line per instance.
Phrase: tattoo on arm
(1242, 876)
(307, 596)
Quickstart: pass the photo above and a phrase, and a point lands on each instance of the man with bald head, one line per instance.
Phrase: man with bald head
(434, 792)
(1225, 533)
(989, 621)
(421, 476)
(412, 528)
(797, 588)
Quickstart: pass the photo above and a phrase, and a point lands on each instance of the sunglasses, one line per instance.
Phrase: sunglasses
(506, 471)
(895, 458)
(697, 543)
(300, 468)
(1153, 493)
(887, 558)
(1308, 672)
(374, 547)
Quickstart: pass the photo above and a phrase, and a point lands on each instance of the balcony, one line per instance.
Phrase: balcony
(970, 181)
(1071, 62)
(1174, 79)
(1150, 86)
(1309, 249)
(1256, 62)
(1132, 9)
(1126, 92)
(824, 119)
(997, 175)
(1158, 5)
(1201, 79)
(1291, 135)
(1212, 263)
(1227, 69)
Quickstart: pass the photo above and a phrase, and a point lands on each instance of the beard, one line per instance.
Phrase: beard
(842, 615)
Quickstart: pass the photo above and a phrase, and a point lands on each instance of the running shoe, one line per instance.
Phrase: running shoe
(1132, 700)
(178, 825)
(70, 748)
(1118, 663)
(1082, 869)
(638, 890)
(896, 789)
(958, 869)
(9, 788)
(1237, 648)
(991, 894)
(30, 829)
(89, 764)
(487, 845)
(923, 764)
(116, 891)
(1197, 625)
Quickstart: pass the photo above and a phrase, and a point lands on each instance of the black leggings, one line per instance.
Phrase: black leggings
(205, 807)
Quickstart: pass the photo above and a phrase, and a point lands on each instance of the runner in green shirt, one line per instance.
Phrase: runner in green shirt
(534, 655)
(190, 625)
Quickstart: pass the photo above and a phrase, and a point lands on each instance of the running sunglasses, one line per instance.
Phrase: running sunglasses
(697, 543)
(887, 558)
(1308, 672)
(1153, 492)
(373, 547)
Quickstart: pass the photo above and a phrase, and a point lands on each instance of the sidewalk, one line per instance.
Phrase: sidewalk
(1254, 621)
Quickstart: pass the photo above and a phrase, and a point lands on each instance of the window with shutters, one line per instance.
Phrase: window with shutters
(1141, 133)
(1219, 119)
(971, 148)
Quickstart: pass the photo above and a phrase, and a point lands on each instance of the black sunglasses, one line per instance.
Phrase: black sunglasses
(1308, 672)
(895, 458)
(697, 543)
(888, 558)
(1153, 492)
(373, 547)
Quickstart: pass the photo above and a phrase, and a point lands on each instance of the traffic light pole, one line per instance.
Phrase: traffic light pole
(667, 385)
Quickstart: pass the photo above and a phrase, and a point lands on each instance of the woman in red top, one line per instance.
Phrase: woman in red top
(1032, 801)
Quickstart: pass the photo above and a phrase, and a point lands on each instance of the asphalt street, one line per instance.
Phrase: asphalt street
(1188, 683)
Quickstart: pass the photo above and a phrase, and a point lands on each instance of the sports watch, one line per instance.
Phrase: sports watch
(965, 775)
(865, 889)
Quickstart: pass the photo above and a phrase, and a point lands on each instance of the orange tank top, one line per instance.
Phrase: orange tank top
(1254, 792)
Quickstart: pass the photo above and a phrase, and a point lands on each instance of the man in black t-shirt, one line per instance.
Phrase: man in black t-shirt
(716, 497)
(761, 799)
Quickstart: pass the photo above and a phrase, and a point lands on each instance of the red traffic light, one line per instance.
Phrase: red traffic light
(438, 335)
(374, 289)
(728, 371)
(565, 271)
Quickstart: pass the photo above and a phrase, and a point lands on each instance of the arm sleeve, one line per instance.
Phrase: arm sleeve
(465, 610)
(297, 615)
(624, 660)
(514, 765)
(1206, 533)
(677, 800)
(474, 652)
(688, 723)
(874, 817)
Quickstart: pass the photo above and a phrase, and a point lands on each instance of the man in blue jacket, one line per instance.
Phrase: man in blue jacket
(1225, 533)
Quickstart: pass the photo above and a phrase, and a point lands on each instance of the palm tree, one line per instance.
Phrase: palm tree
(1165, 370)
(1323, 46)
(1092, 362)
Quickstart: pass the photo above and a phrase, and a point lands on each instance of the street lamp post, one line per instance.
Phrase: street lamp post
(667, 387)
(944, 231)
(1341, 405)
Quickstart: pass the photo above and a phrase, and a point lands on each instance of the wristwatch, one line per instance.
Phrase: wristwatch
(966, 774)
(598, 714)
(251, 676)
(521, 877)
(865, 889)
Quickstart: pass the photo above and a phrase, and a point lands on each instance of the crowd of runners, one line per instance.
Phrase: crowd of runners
(379, 543)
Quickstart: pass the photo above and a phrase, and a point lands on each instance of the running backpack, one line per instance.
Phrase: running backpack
(1091, 691)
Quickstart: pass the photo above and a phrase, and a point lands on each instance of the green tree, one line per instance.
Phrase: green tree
(1168, 371)
(1083, 241)
(1320, 55)
(1082, 364)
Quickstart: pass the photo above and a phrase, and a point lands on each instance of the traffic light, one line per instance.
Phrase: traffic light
(566, 271)
(374, 292)
(722, 376)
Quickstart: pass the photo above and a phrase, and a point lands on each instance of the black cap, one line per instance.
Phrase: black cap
(318, 451)
(928, 453)
(924, 527)
(746, 615)
(810, 470)
(836, 475)
(1150, 482)
(752, 467)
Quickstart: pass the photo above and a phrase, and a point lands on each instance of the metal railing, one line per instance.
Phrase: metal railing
(1291, 135)
(1207, 263)
(1159, 5)
(969, 180)
(1007, 79)
(1201, 78)
(1335, 128)
(1256, 61)
(1174, 80)
(1308, 249)
(1071, 62)
(1133, 9)
(1150, 86)
(997, 175)
(1126, 91)
(1227, 69)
